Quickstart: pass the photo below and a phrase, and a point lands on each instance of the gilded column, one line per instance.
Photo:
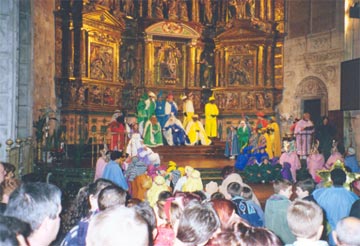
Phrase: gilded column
(270, 10)
(269, 66)
(262, 9)
(217, 67)
(260, 66)
(191, 63)
(149, 8)
(224, 71)
(195, 10)
(149, 60)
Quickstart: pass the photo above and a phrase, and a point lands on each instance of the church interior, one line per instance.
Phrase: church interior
(67, 65)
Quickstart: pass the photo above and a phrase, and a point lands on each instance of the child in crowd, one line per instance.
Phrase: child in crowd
(245, 209)
(276, 209)
(304, 189)
(305, 221)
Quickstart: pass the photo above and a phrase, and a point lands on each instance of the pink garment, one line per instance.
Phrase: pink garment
(165, 237)
(303, 136)
(315, 162)
(293, 160)
(100, 166)
(332, 159)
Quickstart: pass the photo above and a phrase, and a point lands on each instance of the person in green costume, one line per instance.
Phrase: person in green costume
(242, 135)
(152, 133)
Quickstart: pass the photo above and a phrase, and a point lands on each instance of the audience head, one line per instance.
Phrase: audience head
(245, 235)
(225, 210)
(305, 219)
(197, 224)
(9, 170)
(247, 193)
(304, 188)
(147, 213)
(217, 195)
(164, 195)
(8, 186)
(38, 204)
(338, 177)
(117, 226)
(283, 187)
(234, 189)
(115, 155)
(13, 231)
(347, 232)
(111, 196)
(94, 191)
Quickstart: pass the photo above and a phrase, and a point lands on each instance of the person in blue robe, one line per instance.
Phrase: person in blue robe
(113, 171)
(160, 109)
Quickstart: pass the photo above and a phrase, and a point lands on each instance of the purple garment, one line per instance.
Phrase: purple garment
(286, 172)
(315, 162)
(303, 136)
(293, 160)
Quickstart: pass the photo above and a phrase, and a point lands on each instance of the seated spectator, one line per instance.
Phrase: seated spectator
(9, 170)
(111, 196)
(245, 235)
(225, 209)
(347, 232)
(355, 209)
(117, 226)
(100, 164)
(193, 182)
(248, 194)
(113, 171)
(8, 186)
(13, 231)
(351, 161)
(244, 208)
(147, 213)
(276, 210)
(77, 235)
(304, 189)
(336, 201)
(197, 224)
(157, 187)
(305, 221)
(38, 204)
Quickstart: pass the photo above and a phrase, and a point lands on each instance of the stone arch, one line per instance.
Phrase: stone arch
(309, 88)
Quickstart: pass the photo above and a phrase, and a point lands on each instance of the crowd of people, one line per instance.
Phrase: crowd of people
(135, 199)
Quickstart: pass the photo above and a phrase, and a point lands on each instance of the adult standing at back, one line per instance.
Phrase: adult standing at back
(303, 131)
(211, 114)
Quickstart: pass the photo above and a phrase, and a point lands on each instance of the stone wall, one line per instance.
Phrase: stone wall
(44, 56)
(312, 60)
(9, 57)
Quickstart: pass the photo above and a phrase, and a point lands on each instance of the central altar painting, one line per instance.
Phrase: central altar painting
(170, 57)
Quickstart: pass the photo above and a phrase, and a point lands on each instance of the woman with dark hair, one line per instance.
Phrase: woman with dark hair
(325, 133)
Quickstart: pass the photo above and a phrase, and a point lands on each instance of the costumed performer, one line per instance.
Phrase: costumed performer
(174, 132)
(242, 135)
(160, 109)
(141, 112)
(117, 130)
(211, 114)
(140, 182)
(231, 146)
(170, 106)
(100, 164)
(157, 187)
(193, 182)
(290, 157)
(153, 133)
(195, 132)
(315, 161)
(275, 138)
(335, 156)
(179, 185)
(303, 132)
(351, 161)
(188, 108)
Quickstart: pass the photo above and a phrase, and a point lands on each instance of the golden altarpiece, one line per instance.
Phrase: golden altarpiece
(110, 52)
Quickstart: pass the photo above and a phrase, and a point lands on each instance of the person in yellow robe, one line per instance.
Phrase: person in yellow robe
(196, 132)
(275, 139)
(211, 114)
(188, 108)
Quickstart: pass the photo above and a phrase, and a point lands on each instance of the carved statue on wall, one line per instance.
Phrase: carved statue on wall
(128, 63)
(183, 11)
(101, 62)
(158, 9)
(207, 16)
(169, 57)
(172, 9)
(207, 68)
(241, 9)
(128, 7)
(240, 70)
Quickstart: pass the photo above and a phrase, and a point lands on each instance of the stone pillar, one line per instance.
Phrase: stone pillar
(9, 62)
(149, 63)
(191, 64)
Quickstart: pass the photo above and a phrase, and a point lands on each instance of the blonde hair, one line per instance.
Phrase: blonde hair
(304, 219)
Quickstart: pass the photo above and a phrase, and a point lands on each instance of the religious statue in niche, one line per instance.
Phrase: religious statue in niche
(241, 70)
(206, 11)
(248, 101)
(260, 102)
(268, 99)
(108, 96)
(207, 68)
(169, 58)
(95, 95)
(172, 9)
(128, 7)
(158, 9)
(241, 9)
(101, 62)
(127, 67)
(183, 11)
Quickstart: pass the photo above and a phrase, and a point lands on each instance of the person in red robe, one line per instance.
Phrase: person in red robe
(117, 130)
